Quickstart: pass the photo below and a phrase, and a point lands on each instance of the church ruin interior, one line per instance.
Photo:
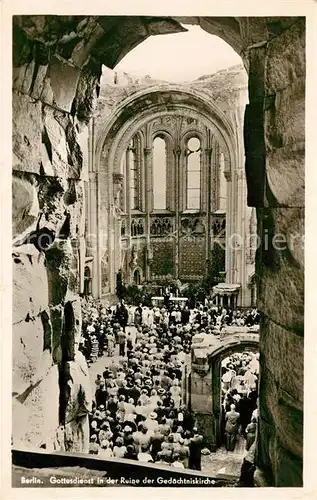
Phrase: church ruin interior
(150, 181)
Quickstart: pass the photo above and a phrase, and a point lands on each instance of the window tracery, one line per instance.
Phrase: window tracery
(193, 173)
(159, 173)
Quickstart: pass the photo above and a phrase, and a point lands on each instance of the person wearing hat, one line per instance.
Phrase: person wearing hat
(122, 341)
(93, 445)
(144, 455)
(135, 392)
(156, 441)
(105, 450)
(160, 411)
(183, 452)
(176, 461)
(163, 458)
(105, 432)
(129, 407)
(151, 422)
(176, 393)
(131, 453)
(119, 448)
(195, 445)
(101, 395)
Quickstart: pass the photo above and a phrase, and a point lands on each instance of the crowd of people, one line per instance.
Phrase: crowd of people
(239, 385)
(138, 411)
(104, 326)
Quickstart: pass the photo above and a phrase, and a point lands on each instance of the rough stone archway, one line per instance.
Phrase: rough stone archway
(113, 137)
(57, 65)
(205, 382)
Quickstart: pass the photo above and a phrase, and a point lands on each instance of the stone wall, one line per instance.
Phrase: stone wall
(281, 265)
(54, 86)
(57, 63)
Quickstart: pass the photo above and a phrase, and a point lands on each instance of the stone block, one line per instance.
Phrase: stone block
(280, 410)
(82, 50)
(287, 469)
(85, 100)
(286, 57)
(22, 77)
(39, 82)
(57, 319)
(27, 349)
(75, 155)
(30, 285)
(80, 396)
(285, 168)
(25, 207)
(77, 435)
(253, 30)
(285, 117)
(280, 268)
(77, 396)
(26, 133)
(34, 422)
(58, 260)
(279, 348)
(75, 302)
(266, 432)
(201, 393)
(206, 427)
(63, 78)
(56, 139)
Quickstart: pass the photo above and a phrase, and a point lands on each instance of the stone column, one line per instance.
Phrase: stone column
(128, 204)
(148, 207)
(230, 208)
(93, 234)
(177, 154)
(240, 232)
(208, 154)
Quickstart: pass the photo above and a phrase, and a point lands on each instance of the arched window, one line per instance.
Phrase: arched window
(134, 173)
(159, 174)
(193, 174)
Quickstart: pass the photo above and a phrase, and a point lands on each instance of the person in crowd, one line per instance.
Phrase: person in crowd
(195, 444)
(248, 468)
(250, 433)
(138, 410)
(232, 425)
(122, 314)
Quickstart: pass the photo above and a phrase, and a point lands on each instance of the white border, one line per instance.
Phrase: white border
(242, 8)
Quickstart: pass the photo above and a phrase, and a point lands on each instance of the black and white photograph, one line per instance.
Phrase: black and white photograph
(158, 253)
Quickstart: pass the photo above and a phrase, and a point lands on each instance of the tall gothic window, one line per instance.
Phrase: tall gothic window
(134, 172)
(159, 174)
(193, 173)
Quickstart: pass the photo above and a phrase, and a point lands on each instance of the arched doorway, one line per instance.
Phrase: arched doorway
(137, 277)
(205, 393)
(266, 44)
(239, 386)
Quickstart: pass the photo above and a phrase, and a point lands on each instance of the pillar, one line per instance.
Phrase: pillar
(177, 154)
(148, 207)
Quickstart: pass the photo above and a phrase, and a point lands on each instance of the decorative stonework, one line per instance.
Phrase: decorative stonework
(192, 226)
(137, 227)
(161, 226)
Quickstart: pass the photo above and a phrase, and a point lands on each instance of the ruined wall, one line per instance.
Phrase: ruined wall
(53, 93)
(275, 143)
(54, 86)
